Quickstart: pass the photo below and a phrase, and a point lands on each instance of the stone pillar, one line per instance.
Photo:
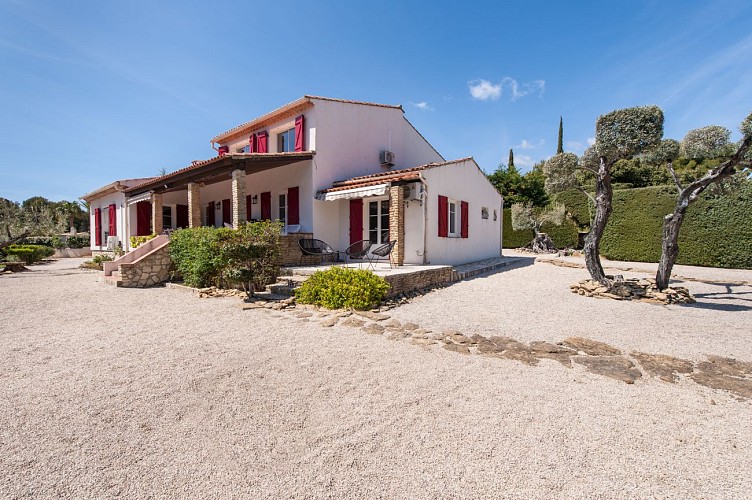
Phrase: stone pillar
(238, 198)
(397, 223)
(194, 205)
(156, 213)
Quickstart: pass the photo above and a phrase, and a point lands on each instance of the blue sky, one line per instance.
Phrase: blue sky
(91, 92)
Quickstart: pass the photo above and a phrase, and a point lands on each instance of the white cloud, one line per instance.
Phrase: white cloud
(574, 146)
(591, 141)
(525, 144)
(422, 105)
(523, 161)
(483, 90)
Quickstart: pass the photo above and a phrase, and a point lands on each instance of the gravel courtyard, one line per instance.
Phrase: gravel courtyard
(156, 393)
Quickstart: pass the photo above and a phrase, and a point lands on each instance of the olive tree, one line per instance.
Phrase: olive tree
(527, 216)
(702, 143)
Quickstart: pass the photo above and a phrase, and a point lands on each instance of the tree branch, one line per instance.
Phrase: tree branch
(590, 197)
(670, 167)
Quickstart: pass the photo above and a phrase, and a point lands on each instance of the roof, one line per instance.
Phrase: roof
(294, 106)
(391, 176)
(113, 187)
(218, 168)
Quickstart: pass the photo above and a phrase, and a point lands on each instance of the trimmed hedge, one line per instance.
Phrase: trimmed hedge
(716, 231)
(562, 236)
(338, 288)
(29, 254)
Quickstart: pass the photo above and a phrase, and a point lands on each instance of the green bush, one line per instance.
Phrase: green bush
(195, 253)
(77, 242)
(512, 238)
(29, 254)
(563, 236)
(96, 262)
(137, 241)
(338, 288)
(46, 241)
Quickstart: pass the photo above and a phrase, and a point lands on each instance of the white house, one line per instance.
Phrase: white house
(342, 170)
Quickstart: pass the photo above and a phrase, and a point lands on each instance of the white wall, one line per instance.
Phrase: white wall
(463, 181)
(103, 203)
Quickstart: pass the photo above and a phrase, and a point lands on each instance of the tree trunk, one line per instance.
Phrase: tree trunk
(542, 243)
(670, 244)
(603, 197)
(13, 240)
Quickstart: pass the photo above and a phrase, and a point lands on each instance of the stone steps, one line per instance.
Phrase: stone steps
(286, 285)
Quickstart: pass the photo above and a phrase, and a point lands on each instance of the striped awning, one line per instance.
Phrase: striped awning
(358, 192)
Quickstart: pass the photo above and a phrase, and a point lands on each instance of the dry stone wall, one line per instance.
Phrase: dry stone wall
(407, 282)
(150, 270)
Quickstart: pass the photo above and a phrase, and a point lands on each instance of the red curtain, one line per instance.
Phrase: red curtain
(248, 207)
(261, 145)
(266, 206)
(443, 216)
(226, 211)
(181, 215)
(293, 205)
(253, 143)
(113, 219)
(223, 150)
(465, 214)
(356, 220)
(98, 227)
(143, 218)
(299, 132)
(210, 220)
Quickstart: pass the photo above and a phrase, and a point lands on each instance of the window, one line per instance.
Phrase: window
(378, 221)
(244, 149)
(452, 218)
(283, 209)
(167, 217)
(286, 141)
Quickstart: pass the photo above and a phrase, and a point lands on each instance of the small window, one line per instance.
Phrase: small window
(244, 149)
(286, 141)
(453, 218)
(167, 217)
(283, 209)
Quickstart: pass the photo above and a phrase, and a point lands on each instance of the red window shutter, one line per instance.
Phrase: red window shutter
(356, 220)
(248, 204)
(266, 206)
(182, 216)
(262, 143)
(293, 205)
(210, 219)
(226, 211)
(143, 218)
(465, 215)
(443, 216)
(98, 227)
(113, 219)
(299, 132)
(253, 143)
(223, 150)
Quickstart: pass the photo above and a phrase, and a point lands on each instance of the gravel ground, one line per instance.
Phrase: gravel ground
(156, 393)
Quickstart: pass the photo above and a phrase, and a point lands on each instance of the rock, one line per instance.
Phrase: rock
(591, 347)
(616, 367)
(329, 322)
(373, 328)
(725, 366)
(245, 306)
(523, 355)
(302, 314)
(397, 334)
(373, 316)
(486, 346)
(409, 326)
(392, 323)
(422, 341)
(344, 314)
(353, 321)
(457, 337)
(740, 387)
(663, 367)
(457, 348)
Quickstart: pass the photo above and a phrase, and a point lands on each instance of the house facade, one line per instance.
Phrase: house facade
(340, 170)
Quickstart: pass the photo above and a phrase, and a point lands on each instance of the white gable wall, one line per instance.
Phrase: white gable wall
(103, 204)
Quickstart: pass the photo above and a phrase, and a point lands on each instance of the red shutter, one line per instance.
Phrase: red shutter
(223, 150)
(293, 205)
(226, 211)
(98, 227)
(356, 220)
(266, 206)
(299, 132)
(143, 218)
(182, 216)
(210, 219)
(261, 142)
(248, 208)
(253, 143)
(113, 219)
(465, 214)
(443, 216)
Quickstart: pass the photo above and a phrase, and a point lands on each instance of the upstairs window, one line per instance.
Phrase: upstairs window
(244, 149)
(452, 218)
(286, 141)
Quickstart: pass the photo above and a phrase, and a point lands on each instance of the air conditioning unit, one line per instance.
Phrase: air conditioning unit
(112, 243)
(414, 191)
(387, 158)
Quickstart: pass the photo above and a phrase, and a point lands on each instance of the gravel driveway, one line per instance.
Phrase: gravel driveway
(156, 393)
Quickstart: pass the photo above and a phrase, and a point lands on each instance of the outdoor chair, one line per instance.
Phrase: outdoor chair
(317, 248)
(381, 251)
(358, 250)
(292, 228)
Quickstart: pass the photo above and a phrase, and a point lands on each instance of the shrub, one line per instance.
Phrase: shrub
(338, 288)
(77, 242)
(565, 235)
(29, 254)
(137, 241)
(46, 241)
(195, 253)
(96, 262)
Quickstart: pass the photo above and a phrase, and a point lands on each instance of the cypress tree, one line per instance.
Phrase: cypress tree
(560, 146)
(511, 158)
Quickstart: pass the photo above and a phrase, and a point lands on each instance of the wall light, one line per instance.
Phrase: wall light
(254, 199)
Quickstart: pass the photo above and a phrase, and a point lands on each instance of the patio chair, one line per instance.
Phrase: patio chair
(381, 251)
(358, 250)
(292, 228)
(318, 248)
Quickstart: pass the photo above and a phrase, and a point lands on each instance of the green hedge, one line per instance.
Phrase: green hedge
(716, 231)
(562, 236)
(338, 288)
(29, 254)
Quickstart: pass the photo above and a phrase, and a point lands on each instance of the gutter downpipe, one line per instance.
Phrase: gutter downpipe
(501, 228)
(424, 203)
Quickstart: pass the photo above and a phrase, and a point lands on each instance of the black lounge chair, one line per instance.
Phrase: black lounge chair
(381, 251)
(317, 248)
(358, 250)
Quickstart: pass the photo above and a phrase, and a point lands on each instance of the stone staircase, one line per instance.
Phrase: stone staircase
(147, 265)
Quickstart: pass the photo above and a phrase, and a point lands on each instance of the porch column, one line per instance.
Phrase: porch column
(238, 198)
(397, 223)
(156, 213)
(194, 205)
